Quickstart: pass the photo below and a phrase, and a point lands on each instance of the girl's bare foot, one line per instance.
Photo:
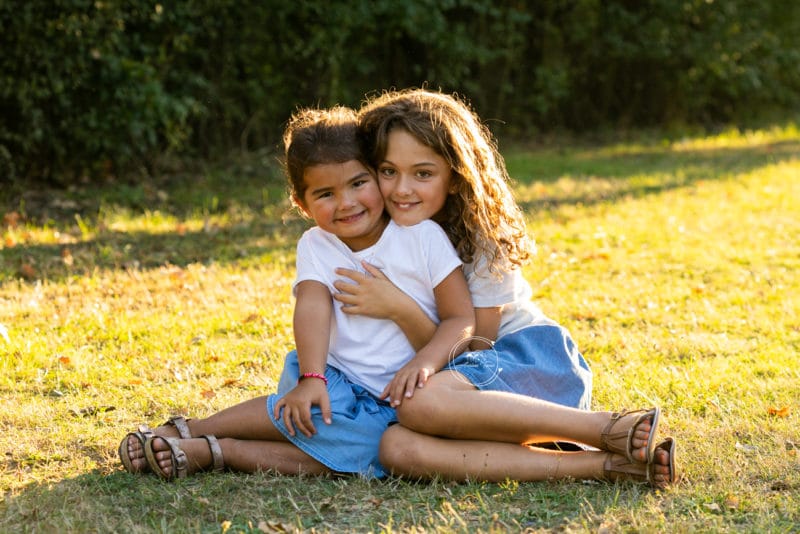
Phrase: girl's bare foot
(136, 462)
(631, 434)
(664, 471)
(660, 473)
(176, 458)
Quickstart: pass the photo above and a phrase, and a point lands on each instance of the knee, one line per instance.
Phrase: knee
(424, 411)
(399, 451)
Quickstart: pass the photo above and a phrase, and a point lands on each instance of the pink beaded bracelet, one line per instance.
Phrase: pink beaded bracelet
(314, 375)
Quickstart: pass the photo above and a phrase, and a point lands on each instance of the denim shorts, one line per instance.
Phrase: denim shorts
(539, 361)
(350, 443)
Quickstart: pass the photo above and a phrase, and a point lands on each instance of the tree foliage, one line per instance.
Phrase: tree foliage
(92, 88)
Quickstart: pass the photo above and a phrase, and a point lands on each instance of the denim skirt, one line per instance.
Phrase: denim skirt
(539, 361)
(350, 443)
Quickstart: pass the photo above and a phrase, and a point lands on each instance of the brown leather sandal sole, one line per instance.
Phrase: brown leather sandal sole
(178, 458)
(142, 434)
(621, 441)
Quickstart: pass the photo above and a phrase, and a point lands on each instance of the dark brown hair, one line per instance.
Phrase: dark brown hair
(317, 137)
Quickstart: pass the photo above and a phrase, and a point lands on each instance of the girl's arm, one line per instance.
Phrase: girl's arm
(374, 295)
(312, 321)
(487, 324)
(454, 307)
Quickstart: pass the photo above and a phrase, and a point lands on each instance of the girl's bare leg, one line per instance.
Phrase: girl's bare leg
(449, 406)
(248, 456)
(409, 453)
(416, 455)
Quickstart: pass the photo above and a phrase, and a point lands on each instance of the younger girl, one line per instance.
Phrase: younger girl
(435, 160)
(332, 386)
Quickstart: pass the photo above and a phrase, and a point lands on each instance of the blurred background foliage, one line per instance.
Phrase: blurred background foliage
(96, 90)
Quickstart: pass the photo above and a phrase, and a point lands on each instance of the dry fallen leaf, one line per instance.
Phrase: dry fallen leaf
(11, 219)
(64, 360)
(208, 394)
(274, 527)
(92, 410)
(731, 502)
(747, 449)
(595, 256)
(779, 412)
(28, 271)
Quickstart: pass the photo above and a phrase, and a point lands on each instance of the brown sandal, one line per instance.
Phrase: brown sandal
(618, 467)
(621, 441)
(143, 434)
(178, 458)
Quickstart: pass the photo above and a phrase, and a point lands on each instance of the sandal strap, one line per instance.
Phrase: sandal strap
(180, 463)
(216, 453)
(621, 441)
(617, 466)
(178, 460)
(180, 424)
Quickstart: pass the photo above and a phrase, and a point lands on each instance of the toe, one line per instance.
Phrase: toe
(163, 456)
(661, 468)
(640, 440)
(136, 454)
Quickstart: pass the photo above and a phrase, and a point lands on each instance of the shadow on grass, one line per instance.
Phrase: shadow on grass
(120, 502)
(570, 177)
(112, 250)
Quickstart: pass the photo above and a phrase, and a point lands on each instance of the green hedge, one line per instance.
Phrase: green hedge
(96, 88)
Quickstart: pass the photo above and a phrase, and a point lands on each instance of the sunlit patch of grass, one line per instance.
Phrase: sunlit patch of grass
(672, 262)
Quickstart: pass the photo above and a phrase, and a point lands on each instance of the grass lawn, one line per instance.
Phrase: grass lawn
(674, 263)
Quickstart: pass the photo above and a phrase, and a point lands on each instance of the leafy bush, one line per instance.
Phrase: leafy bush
(90, 89)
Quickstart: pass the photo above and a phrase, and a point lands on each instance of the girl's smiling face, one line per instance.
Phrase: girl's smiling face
(414, 180)
(344, 199)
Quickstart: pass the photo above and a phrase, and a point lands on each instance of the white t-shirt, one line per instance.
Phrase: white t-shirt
(506, 288)
(415, 258)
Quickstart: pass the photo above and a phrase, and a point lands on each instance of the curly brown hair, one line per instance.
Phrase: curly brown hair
(318, 137)
(481, 216)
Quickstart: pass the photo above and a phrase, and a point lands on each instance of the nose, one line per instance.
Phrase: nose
(403, 187)
(347, 200)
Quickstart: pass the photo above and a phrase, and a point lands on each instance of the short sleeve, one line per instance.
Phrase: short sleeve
(489, 289)
(442, 256)
(306, 264)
